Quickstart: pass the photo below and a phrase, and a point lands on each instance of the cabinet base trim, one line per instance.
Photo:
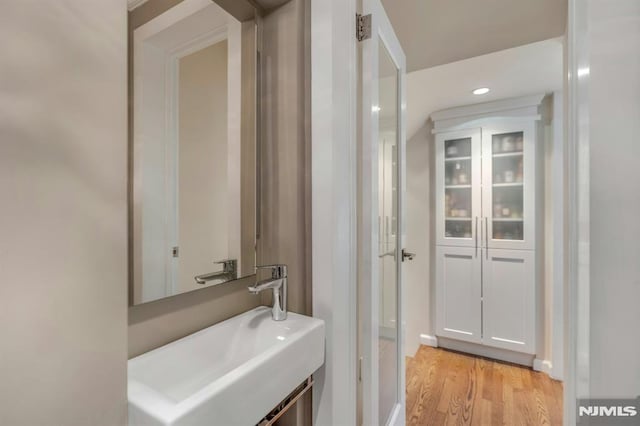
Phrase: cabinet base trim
(487, 352)
(428, 340)
(543, 365)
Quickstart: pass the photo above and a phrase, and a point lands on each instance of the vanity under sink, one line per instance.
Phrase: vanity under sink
(232, 373)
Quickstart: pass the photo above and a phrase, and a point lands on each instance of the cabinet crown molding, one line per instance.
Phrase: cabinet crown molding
(465, 116)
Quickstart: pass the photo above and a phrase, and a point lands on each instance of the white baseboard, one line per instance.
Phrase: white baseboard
(397, 419)
(427, 340)
(544, 366)
(487, 351)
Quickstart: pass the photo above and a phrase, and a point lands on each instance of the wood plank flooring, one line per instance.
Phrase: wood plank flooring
(450, 388)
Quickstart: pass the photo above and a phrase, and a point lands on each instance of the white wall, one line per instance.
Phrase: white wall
(285, 162)
(333, 174)
(419, 216)
(608, 126)
(63, 222)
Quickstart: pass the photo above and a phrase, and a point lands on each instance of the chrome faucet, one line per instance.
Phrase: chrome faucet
(278, 283)
(229, 272)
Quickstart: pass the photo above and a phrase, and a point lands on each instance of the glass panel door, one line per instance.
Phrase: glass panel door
(507, 157)
(382, 183)
(508, 185)
(387, 236)
(458, 185)
(457, 193)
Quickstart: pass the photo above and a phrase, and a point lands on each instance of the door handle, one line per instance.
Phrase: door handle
(476, 236)
(407, 255)
(486, 236)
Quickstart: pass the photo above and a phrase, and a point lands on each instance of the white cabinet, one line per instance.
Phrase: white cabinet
(458, 183)
(508, 184)
(508, 299)
(487, 211)
(485, 186)
(459, 314)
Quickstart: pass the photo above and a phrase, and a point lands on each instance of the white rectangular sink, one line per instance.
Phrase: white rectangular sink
(232, 373)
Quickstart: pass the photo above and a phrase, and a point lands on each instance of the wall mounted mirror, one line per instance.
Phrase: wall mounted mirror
(194, 148)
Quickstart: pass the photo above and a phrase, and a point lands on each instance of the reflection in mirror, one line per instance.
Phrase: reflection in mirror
(193, 150)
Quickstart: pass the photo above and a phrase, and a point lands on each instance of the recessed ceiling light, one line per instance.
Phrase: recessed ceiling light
(481, 91)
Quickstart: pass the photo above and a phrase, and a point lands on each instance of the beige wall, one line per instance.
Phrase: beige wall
(285, 152)
(63, 227)
(286, 162)
(154, 324)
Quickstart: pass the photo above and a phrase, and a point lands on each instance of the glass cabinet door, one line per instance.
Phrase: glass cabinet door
(458, 181)
(507, 161)
(507, 157)
(457, 184)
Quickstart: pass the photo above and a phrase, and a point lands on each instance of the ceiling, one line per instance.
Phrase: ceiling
(525, 70)
(241, 9)
(436, 32)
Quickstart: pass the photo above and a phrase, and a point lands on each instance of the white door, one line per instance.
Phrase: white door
(508, 196)
(459, 293)
(382, 184)
(458, 183)
(509, 299)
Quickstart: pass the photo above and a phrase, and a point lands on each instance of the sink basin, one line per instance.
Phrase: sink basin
(232, 373)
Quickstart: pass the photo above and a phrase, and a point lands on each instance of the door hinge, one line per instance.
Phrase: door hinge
(175, 251)
(363, 27)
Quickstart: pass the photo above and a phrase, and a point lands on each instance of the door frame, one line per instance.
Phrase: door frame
(368, 297)
(333, 106)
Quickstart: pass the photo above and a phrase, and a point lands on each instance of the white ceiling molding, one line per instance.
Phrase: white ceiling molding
(132, 4)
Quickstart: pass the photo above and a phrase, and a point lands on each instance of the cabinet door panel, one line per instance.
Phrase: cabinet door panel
(458, 278)
(458, 187)
(509, 299)
(508, 192)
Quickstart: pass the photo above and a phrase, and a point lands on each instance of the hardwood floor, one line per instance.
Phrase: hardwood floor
(450, 388)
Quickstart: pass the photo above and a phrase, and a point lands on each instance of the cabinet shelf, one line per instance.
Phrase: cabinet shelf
(457, 158)
(507, 185)
(508, 154)
(457, 186)
(507, 219)
(459, 219)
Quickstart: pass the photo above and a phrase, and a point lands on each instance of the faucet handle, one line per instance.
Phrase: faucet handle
(228, 265)
(277, 271)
